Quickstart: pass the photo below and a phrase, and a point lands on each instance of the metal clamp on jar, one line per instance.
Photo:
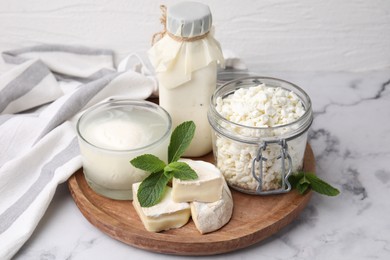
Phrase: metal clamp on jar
(260, 130)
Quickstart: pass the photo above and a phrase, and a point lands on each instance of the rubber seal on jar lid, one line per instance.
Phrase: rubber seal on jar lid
(229, 74)
(189, 19)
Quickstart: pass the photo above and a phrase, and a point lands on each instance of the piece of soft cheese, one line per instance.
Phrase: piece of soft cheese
(209, 217)
(206, 188)
(167, 214)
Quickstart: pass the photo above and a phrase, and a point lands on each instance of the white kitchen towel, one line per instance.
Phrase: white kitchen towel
(41, 98)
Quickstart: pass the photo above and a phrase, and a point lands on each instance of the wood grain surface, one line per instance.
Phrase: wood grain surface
(254, 219)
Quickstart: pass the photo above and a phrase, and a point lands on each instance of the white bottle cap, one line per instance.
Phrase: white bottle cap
(189, 19)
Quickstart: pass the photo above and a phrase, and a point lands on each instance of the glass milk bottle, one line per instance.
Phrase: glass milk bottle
(185, 59)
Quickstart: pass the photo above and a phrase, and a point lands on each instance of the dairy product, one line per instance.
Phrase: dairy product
(190, 101)
(113, 134)
(167, 214)
(259, 107)
(173, 210)
(185, 61)
(118, 133)
(209, 217)
(206, 188)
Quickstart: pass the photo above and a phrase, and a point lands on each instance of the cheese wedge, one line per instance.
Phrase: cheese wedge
(167, 214)
(209, 217)
(207, 188)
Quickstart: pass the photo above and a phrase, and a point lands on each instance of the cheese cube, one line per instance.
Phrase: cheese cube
(207, 188)
(209, 217)
(167, 214)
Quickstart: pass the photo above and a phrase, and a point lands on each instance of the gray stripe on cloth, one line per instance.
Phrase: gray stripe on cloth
(8, 217)
(76, 49)
(97, 75)
(76, 102)
(11, 59)
(23, 83)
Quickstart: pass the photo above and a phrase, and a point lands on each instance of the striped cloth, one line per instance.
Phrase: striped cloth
(42, 94)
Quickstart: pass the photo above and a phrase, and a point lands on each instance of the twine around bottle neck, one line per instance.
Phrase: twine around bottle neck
(158, 36)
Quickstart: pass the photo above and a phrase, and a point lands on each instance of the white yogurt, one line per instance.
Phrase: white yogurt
(112, 134)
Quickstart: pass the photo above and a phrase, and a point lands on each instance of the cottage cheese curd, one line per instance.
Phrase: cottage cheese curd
(266, 113)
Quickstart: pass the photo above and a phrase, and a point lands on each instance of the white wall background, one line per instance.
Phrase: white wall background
(270, 35)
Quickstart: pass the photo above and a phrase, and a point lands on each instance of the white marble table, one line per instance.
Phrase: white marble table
(350, 137)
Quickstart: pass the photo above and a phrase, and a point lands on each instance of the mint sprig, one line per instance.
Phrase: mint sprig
(152, 188)
(181, 170)
(148, 163)
(305, 180)
(180, 140)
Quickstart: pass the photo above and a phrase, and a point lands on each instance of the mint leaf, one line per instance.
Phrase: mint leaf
(302, 188)
(303, 181)
(320, 186)
(181, 170)
(293, 179)
(180, 139)
(302, 185)
(152, 189)
(169, 174)
(148, 163)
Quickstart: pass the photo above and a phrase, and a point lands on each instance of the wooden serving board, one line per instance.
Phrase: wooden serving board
(254, 219)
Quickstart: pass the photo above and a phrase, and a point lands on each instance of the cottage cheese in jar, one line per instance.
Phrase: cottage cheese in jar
(259, 119)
